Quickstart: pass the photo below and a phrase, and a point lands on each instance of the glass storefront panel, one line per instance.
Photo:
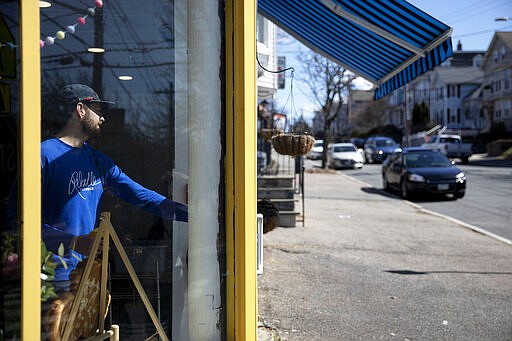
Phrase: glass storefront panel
(136, 54)
(10, 244)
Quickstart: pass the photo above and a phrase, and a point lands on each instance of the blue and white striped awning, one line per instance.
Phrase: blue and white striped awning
(387, 42)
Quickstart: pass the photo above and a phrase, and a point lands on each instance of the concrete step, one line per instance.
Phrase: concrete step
(288, 218)
(276, 193)
(266, 181)
(283, 204)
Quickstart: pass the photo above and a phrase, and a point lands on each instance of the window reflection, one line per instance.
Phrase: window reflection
(137, 70)
(10, 280)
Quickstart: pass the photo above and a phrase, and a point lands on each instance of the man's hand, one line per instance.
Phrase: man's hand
(174, 210)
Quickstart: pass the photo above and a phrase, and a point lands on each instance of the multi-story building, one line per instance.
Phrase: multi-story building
(451, 91)
(449, 88)
(266, 51)
(497, 74)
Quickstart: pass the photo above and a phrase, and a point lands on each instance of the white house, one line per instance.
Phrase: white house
(266, 51)
(497, 70)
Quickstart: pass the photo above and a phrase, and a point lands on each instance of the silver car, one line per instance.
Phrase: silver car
(316, 151)
(344, 155)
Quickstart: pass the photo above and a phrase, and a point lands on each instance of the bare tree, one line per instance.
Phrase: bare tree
(328, 84)
(372, 116)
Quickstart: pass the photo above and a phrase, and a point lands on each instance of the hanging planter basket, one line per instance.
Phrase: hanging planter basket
(293, 145)
(267, 134)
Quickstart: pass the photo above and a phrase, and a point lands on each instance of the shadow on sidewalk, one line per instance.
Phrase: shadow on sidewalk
(396, 195)
(491, 162)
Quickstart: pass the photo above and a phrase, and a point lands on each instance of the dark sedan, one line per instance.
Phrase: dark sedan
(415, 170)
(377, 148)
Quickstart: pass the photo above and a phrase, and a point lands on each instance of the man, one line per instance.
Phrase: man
(74, 176)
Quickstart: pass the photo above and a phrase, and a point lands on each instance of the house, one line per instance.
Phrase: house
(497, 80)
(267, 59)
(450, 86)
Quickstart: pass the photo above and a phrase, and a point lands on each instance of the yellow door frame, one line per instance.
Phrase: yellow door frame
(241, 188)
(30, 175)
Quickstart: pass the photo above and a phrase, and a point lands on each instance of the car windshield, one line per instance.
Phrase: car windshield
(339, 149)
(449, 140)
(385, 143)
(426, 159)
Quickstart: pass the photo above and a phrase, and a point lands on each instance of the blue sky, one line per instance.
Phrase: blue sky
(472, 22)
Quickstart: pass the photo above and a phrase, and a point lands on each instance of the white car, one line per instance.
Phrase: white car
(316, 152)
(344, 155)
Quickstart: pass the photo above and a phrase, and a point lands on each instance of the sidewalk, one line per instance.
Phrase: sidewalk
(369, 266)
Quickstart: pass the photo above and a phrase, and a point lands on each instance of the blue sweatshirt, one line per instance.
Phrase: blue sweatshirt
(72, 185)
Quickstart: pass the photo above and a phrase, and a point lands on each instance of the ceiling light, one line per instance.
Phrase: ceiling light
(125, 78)
(96, 49)
(44, 4)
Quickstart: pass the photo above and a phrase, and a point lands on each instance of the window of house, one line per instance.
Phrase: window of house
(261, 30)
(477, 60)
(167, 104)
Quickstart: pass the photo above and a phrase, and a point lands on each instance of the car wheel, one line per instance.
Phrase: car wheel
(385, 183)
(404, 191)
(459, 195)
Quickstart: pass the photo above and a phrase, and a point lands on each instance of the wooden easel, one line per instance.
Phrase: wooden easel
(105, 232)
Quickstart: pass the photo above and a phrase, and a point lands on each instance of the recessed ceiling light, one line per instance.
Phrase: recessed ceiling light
(125, 78)
(44, 4)
(96, 49)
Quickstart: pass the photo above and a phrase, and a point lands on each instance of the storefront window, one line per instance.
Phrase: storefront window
(10, 283)
(163, 132)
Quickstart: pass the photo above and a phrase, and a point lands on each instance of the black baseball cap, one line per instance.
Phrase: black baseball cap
(74, 93)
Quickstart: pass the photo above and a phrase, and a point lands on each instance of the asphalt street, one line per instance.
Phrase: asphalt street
(371, 267)
(487, 203)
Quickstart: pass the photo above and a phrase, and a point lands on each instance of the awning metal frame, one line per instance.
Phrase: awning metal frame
(361, 22)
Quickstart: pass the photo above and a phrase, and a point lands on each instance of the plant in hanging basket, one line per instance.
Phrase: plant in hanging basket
(293, 145)
(267, 134)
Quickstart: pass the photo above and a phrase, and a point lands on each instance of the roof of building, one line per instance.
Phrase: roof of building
(362, 95)
(459, 75)
(505, 36)
(464, 58)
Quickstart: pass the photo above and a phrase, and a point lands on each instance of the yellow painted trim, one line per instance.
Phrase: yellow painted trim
(30, 119)
(241, 191)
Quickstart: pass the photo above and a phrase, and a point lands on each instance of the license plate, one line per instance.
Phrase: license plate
(443, 187)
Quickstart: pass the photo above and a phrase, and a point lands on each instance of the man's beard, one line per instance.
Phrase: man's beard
(90, 127)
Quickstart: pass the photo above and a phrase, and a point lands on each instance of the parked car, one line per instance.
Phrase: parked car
(316, 152)
(416, 169)
(358, 142)
(451, 146)
(344, 155)
(377, 148)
